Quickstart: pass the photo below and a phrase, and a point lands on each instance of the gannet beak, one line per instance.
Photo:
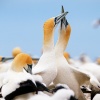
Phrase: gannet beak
(58, 18)
(63, 21)
(29, 69)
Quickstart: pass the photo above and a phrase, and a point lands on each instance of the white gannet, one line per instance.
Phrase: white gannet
(18, 82)
(46, 66)
(66, 74)
(21, 61)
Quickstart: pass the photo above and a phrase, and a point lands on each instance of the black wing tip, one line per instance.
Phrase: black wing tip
(41, 87)
(25, 87)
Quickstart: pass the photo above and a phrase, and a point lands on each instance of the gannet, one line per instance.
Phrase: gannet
(66, 74)
(46, 66)
(18, 82)
(18, 64)
(20, 61)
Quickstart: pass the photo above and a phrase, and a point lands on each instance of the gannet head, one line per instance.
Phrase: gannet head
(16, 51)
(21, 61)
(52, 22)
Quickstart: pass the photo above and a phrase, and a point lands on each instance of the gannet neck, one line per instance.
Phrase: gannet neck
(21, 61)
(63, 39)
(48, 43)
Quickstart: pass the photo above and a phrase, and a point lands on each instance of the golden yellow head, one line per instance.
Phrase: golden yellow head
(49, 25)
(22, 61)
(52, 22)
(16, 51)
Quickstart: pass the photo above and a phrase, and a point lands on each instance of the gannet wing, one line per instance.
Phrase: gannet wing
(81, 76)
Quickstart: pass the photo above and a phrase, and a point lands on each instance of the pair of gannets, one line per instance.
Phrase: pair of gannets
(46, 66)
(66, 74)
(17, 82)
(60, 92)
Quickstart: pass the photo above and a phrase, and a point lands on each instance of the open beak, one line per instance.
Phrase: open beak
(60, 17)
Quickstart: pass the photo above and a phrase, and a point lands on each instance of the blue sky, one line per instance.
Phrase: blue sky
(21, 24)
